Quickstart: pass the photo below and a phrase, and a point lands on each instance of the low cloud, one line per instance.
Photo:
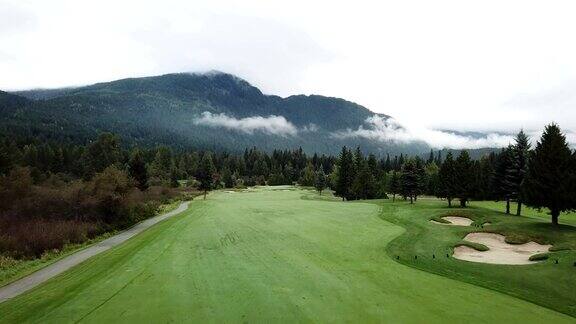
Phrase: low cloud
(388, 130)
(275, 125)
(310, 128)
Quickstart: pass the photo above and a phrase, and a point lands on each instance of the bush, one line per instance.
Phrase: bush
(33, 237)
(46, 216)
(539, 257)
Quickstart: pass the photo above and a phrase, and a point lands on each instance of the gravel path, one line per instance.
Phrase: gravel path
(22, 285)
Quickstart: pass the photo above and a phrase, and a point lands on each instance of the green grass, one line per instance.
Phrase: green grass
(267, 256)
(546, 283)
(500, 206)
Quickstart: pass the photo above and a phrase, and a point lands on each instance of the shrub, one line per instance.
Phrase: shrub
(33, 237)
(539, 257)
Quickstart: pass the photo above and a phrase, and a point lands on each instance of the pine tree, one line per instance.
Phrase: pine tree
(227, 177)
(394, 185)
(364, 185)
(410, 179)
(432, 179)
(500, 186)
(447, 179)
(345, 174)
(382, 186)
(464, 177)
(550, 180)
(517, 168)
(430, 157)
(137, 170)
(174, 178)
(206, 172)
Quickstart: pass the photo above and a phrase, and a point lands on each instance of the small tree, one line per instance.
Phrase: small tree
(320, 181)
(550, 180)
(205, 173)
(308, 175)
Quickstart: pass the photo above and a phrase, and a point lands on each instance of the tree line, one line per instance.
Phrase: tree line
(543, 177)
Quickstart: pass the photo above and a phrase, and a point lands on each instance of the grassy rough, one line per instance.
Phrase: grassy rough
(546, 283)
(265, 256)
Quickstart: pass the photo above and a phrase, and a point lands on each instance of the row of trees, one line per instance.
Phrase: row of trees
(541, 178)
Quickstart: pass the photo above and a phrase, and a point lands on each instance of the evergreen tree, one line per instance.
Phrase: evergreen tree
(432, 179)
(394, 185)
(104, 152)
(410, 179)
(227, 178)
(345, 174)
(464, 177)
(320, 181)
(447, 179)
(174, 178)
(364, 185)
(500, 186)
(517, 168)
(550, 180)
(137, 169)
(430, 157)
(382, 186)
(205, 173)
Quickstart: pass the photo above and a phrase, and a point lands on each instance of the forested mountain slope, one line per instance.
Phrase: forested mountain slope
(212, 110)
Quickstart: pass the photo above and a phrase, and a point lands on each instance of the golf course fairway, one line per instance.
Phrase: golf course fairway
(266, 255)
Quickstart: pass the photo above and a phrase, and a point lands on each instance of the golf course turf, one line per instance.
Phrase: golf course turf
(277, 254)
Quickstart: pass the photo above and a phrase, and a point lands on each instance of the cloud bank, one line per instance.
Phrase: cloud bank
(389, 130)
(274, 125)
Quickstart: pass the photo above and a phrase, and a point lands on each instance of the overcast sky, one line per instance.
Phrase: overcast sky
(462, 65)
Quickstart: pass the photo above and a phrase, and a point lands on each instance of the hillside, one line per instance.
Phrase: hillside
(212, 110)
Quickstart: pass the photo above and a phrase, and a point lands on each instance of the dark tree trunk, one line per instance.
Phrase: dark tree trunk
(555, 214)
(519, 208)
(463, 203)
(393, 197)
(449, 201)
(507, 205)
(411, 199)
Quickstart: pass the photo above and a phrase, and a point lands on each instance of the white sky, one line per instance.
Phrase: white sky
(462, 65)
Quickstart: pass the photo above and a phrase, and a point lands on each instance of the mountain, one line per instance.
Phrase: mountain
(190, 110)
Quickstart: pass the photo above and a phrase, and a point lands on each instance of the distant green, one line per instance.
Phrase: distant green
(270, 256)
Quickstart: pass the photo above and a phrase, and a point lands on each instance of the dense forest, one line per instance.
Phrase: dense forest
(53, 193)
(164, 110)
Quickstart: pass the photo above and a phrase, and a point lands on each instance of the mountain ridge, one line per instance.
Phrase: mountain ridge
(163, 110)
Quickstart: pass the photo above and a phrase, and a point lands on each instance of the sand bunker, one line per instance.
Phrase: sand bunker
(455, 221)
(500, 252)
